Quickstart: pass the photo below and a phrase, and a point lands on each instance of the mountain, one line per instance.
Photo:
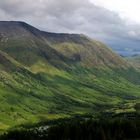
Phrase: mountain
(54, 75)
(135, 60)
(24, 42)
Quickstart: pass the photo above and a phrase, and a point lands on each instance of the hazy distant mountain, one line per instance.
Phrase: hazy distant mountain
(135, 60)
(47, 75)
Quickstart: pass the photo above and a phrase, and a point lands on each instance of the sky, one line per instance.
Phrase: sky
(128, 9)
(114, 22)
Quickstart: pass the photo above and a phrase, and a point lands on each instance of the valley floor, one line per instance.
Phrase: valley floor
(119, 127)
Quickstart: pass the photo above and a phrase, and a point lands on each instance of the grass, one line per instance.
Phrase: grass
(43, 96)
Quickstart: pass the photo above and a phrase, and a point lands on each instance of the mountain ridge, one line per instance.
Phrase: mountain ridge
(50, 39)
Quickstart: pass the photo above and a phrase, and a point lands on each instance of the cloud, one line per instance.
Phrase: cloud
(74, 16)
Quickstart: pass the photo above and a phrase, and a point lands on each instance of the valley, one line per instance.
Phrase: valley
(46, 76)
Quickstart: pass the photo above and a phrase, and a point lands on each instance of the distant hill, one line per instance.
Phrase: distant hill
(135, 60)
(55, 75)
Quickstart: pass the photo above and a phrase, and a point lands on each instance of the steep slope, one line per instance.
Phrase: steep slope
(48, 75)
(79, 47)
(24, 42)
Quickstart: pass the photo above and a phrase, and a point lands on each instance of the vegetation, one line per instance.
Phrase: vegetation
(45, 76)
(114, 129)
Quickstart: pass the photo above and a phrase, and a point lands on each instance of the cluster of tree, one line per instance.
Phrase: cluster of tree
(81, 130)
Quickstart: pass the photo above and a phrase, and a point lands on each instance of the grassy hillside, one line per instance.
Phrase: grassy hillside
(48, 76)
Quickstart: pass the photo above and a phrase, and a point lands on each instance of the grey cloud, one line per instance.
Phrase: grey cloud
(38, 7)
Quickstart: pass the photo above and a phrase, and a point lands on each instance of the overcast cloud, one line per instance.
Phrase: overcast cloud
(75, 16)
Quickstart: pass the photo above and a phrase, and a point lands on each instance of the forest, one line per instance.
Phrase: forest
(81, 129)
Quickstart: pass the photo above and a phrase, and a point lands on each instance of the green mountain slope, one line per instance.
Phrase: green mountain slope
(48, 75)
